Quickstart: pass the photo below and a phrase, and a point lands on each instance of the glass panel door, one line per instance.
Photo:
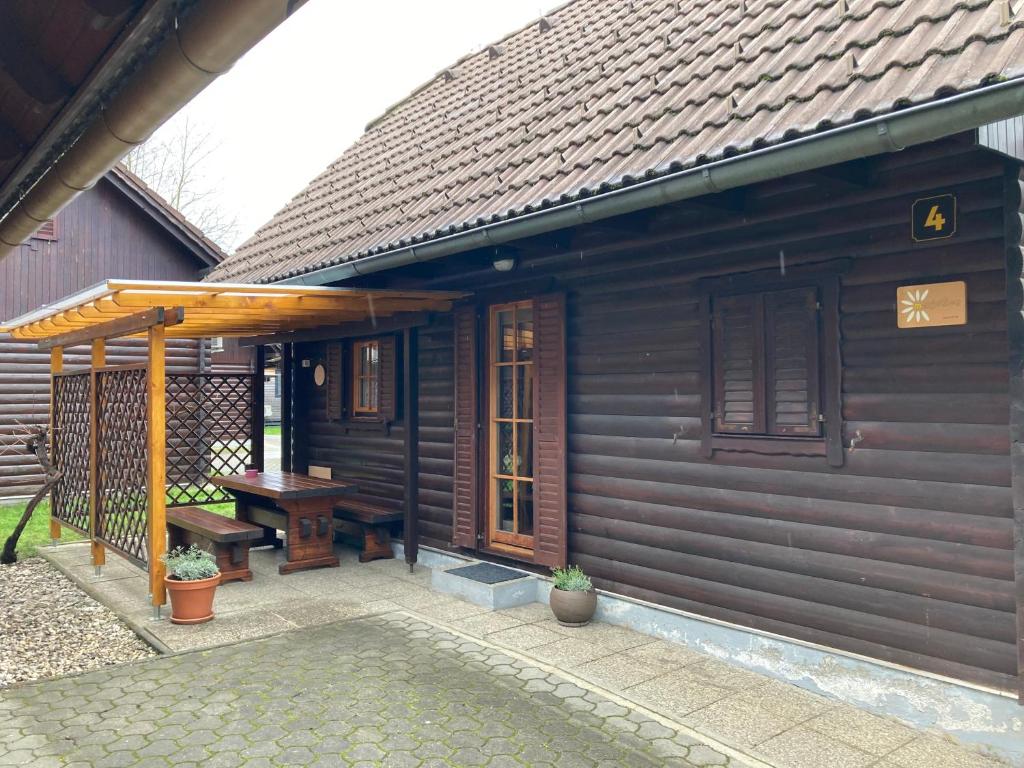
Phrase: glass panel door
(510, 428)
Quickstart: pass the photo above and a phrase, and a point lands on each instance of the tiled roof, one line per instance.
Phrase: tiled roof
(605, 93)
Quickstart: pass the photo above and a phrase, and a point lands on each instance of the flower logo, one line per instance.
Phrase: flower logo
(913, 306)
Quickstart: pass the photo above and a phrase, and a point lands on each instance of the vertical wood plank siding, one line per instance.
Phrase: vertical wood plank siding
(903, 553)
(99, 235)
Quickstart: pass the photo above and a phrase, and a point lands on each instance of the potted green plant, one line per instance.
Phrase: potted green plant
(192, 578)
(573, 597)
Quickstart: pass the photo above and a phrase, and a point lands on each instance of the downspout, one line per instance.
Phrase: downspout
(205, 45)
(887, 133)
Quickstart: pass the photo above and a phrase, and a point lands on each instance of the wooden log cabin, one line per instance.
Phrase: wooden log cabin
(120, 227)
(744, 338)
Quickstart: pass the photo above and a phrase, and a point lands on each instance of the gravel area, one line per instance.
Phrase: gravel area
(50, 627)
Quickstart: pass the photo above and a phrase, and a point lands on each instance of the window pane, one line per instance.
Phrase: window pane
(505, 391)
(505, 505)
(373, 358)
(524, 391)
(364, 394)
(505, 340)
(524, 449)
(364, 365)
(506, 458)
(524, 501)
(524, 333)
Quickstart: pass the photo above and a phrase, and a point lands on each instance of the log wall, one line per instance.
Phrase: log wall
(904, 553)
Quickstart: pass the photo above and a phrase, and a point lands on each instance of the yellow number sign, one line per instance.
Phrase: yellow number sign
(934, 218)
(930, 305)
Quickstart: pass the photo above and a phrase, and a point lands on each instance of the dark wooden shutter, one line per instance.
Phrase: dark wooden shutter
(388, 397)
(793, 391)
(465, 487)
(333, 380)
(550, 508)
(738, 364)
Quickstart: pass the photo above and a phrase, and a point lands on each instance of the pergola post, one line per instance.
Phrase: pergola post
(157, 454)
(56, 366)
(256, 429)
(99, 555)
(411, 389)
(287, 365)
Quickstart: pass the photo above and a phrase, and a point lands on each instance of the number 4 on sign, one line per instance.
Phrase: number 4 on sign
(935, 219)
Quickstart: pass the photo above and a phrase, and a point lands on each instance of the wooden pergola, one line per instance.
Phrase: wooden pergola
(158, 310)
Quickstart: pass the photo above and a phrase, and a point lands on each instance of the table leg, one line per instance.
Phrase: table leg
(310, 535)
(270, 538)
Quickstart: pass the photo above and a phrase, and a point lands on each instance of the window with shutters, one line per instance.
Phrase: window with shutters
(361, 381)
(765, 363)
(772, 368)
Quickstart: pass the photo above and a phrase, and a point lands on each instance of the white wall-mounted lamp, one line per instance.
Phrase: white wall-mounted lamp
(505, 265)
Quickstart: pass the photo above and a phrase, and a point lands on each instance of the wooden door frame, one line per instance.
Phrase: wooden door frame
(485, 446)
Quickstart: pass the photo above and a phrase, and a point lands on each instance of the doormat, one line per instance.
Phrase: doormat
(486, 573)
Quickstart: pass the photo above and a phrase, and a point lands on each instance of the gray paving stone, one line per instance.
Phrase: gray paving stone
(381, 690)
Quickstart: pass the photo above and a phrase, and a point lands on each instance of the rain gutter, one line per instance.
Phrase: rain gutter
(200, 48)
(891, 132)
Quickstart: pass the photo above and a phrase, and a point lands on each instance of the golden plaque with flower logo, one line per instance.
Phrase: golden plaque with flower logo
(926, 306)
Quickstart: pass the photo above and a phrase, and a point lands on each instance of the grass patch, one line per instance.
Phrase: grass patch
(272, 431)
(36, 533)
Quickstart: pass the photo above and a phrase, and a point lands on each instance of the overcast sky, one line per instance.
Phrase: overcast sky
(301, 96)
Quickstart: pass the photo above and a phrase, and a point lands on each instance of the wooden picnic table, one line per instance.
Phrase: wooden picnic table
(306, 507)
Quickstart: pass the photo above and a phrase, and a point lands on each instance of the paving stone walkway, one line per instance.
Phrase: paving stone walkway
(387, 690)
(778, 724)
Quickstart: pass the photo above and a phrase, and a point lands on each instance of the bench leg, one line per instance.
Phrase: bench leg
(376, 544)
(233, 560)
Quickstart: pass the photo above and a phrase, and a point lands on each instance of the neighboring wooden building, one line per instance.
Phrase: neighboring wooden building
(118, 228)
(745, 332)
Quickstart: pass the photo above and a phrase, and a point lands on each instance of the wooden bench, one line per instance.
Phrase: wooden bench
(229, 539)
(374, 521)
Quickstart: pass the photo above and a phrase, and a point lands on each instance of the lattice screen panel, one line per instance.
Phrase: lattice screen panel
(209, 432)
(71, 414)
(121, 460)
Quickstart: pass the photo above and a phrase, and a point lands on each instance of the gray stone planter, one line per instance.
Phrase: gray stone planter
(573, 609)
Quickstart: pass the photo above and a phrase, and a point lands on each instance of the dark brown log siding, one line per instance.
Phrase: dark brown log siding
(905, 552)
(373, 458)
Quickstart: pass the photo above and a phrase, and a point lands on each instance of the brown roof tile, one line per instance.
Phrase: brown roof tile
(615, 92)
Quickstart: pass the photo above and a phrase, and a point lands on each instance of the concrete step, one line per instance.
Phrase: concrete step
(486, 584)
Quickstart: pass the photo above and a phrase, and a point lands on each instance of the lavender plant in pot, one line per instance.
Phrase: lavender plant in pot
(192, 578)
(573, 597)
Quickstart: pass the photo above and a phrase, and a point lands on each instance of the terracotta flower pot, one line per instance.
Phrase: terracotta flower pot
(573, 609)
(192, 601)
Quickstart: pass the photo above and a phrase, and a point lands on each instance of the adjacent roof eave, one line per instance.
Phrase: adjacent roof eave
(890, 132)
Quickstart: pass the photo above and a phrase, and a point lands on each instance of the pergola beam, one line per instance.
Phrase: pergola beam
(397, 322)
(112, 329)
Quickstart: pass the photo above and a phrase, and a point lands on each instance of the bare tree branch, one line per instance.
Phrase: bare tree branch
(36, 444)
(173, 167)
